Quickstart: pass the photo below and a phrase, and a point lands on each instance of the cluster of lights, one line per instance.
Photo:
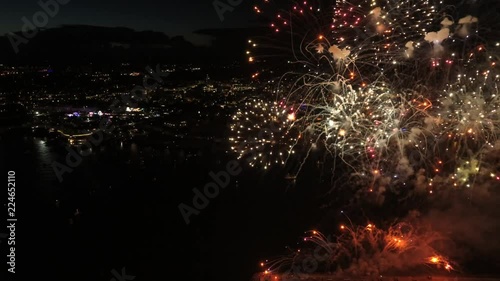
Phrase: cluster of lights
(262, 133)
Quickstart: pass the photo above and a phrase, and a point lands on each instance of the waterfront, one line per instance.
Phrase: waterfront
(119, 207)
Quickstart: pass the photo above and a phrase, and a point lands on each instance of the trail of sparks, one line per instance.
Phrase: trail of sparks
(404, 93)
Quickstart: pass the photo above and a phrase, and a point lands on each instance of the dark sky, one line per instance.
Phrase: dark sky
(173, 17)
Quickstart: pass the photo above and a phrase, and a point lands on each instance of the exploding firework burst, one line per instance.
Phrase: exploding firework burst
(364, 251)
(465, 121)
(263, 133)
(469, 115)
(372, 129)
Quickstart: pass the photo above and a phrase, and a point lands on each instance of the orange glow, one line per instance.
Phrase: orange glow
(380, 28)
(261, 264)
(320, 37)
(425, 105)
(342, 227)
(434, 259)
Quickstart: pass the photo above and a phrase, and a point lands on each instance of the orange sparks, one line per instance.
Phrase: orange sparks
(425, 104)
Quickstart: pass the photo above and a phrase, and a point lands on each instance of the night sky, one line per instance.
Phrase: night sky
(173, 17)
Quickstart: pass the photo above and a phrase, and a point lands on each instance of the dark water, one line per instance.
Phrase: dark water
(119, 208)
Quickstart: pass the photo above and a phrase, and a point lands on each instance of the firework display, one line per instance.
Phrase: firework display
(363, 250)
(409, 88)
(405, 94)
